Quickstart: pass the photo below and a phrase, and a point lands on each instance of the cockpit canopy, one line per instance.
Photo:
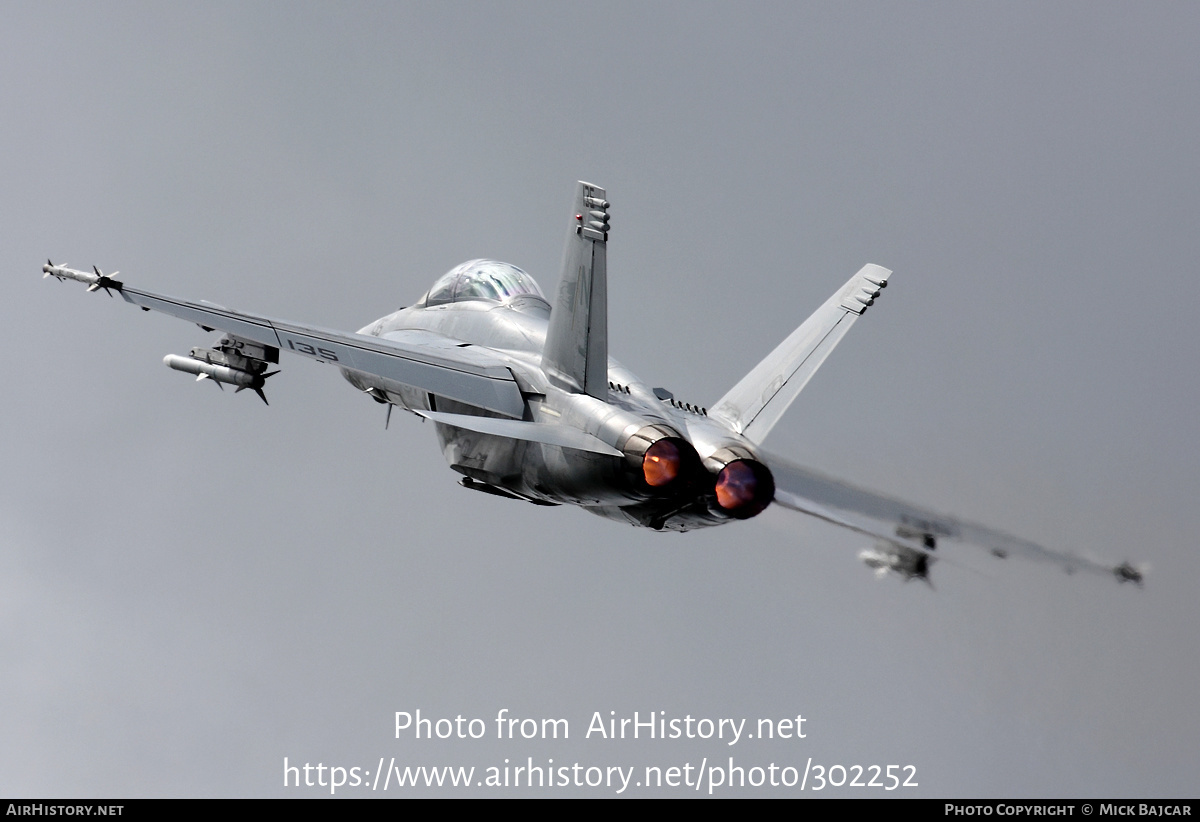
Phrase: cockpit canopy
(482, 280)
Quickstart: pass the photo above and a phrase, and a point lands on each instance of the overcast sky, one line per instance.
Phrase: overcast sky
(194, 586)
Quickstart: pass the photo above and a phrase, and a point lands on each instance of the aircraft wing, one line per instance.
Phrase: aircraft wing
(910, 530)
(425, 360)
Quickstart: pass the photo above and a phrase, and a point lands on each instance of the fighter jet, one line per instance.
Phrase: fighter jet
(528, 405)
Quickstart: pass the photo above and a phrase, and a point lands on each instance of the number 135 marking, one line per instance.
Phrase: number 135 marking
(305, 348)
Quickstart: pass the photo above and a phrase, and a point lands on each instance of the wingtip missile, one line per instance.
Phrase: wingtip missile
(94, 279)
(104, 281)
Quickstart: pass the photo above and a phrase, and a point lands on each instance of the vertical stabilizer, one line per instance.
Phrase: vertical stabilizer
(754, 405)
(576, 353)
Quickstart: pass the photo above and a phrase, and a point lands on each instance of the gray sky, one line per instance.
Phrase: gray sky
(194, 586)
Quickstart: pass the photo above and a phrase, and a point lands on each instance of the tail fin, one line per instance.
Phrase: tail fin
(754, 405)
(576, 353)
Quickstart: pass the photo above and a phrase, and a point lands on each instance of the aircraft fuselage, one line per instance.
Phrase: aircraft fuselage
(605, 484)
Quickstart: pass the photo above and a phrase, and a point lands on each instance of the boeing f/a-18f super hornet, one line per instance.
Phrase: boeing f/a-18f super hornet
(528, 405)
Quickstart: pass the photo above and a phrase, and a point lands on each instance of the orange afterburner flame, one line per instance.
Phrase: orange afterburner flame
(744, 488)
(662, 463)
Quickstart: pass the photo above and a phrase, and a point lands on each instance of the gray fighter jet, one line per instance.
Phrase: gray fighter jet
(528, 405)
